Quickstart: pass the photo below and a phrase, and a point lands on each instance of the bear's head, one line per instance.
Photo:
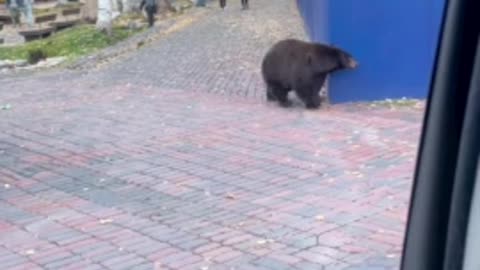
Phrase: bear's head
(327, 58)
(346, 61)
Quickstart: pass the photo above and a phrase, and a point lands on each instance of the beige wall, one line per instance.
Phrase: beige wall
(90, 9)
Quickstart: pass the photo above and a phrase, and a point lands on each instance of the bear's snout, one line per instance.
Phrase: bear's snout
(352, 63)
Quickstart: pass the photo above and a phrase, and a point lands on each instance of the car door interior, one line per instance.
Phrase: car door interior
(472, 245)
(465, 174)
(448, 152)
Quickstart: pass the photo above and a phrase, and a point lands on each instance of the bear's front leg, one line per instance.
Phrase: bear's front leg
(282, 97)
(278, 93)
(313, 102)
(310, 97)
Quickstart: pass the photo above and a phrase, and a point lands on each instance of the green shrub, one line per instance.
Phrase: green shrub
(35, 55)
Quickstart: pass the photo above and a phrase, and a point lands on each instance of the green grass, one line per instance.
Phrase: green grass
(73, 42)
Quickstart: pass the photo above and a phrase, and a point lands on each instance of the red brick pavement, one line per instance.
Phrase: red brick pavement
(145, 178)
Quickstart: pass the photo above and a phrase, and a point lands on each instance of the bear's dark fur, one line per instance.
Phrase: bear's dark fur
(303, 67)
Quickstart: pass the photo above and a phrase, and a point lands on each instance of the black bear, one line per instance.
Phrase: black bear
(223, 3)
(303, 67)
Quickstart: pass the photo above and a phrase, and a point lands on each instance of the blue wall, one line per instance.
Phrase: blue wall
(315, 15)
(394, 41)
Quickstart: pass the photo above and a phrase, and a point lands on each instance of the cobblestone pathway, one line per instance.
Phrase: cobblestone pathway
(145, 165)
(221, 54)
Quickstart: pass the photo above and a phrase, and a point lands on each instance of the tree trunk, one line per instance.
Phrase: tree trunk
(107, 12)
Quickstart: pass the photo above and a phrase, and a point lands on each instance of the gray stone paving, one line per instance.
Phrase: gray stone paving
(221, 54)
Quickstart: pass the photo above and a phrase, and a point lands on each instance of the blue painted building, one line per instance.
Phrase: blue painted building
(393, 40)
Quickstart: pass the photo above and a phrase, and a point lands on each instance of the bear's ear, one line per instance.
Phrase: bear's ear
(343, 59)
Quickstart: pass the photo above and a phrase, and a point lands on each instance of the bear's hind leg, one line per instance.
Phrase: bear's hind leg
(282, 96)
(270, 95)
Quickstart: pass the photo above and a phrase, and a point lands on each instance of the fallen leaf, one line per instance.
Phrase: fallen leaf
(354, 249)
(157, 265)
(230, 196)
(6, 186)
(262, 241)
(106, 220)
(30, 252)
(320, 218)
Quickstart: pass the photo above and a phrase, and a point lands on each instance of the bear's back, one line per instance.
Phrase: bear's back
(286, 52)
(296, 51)
(291, 47)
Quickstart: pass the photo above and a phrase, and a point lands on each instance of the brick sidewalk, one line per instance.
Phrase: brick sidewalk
(123, 168)
(115, 177)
